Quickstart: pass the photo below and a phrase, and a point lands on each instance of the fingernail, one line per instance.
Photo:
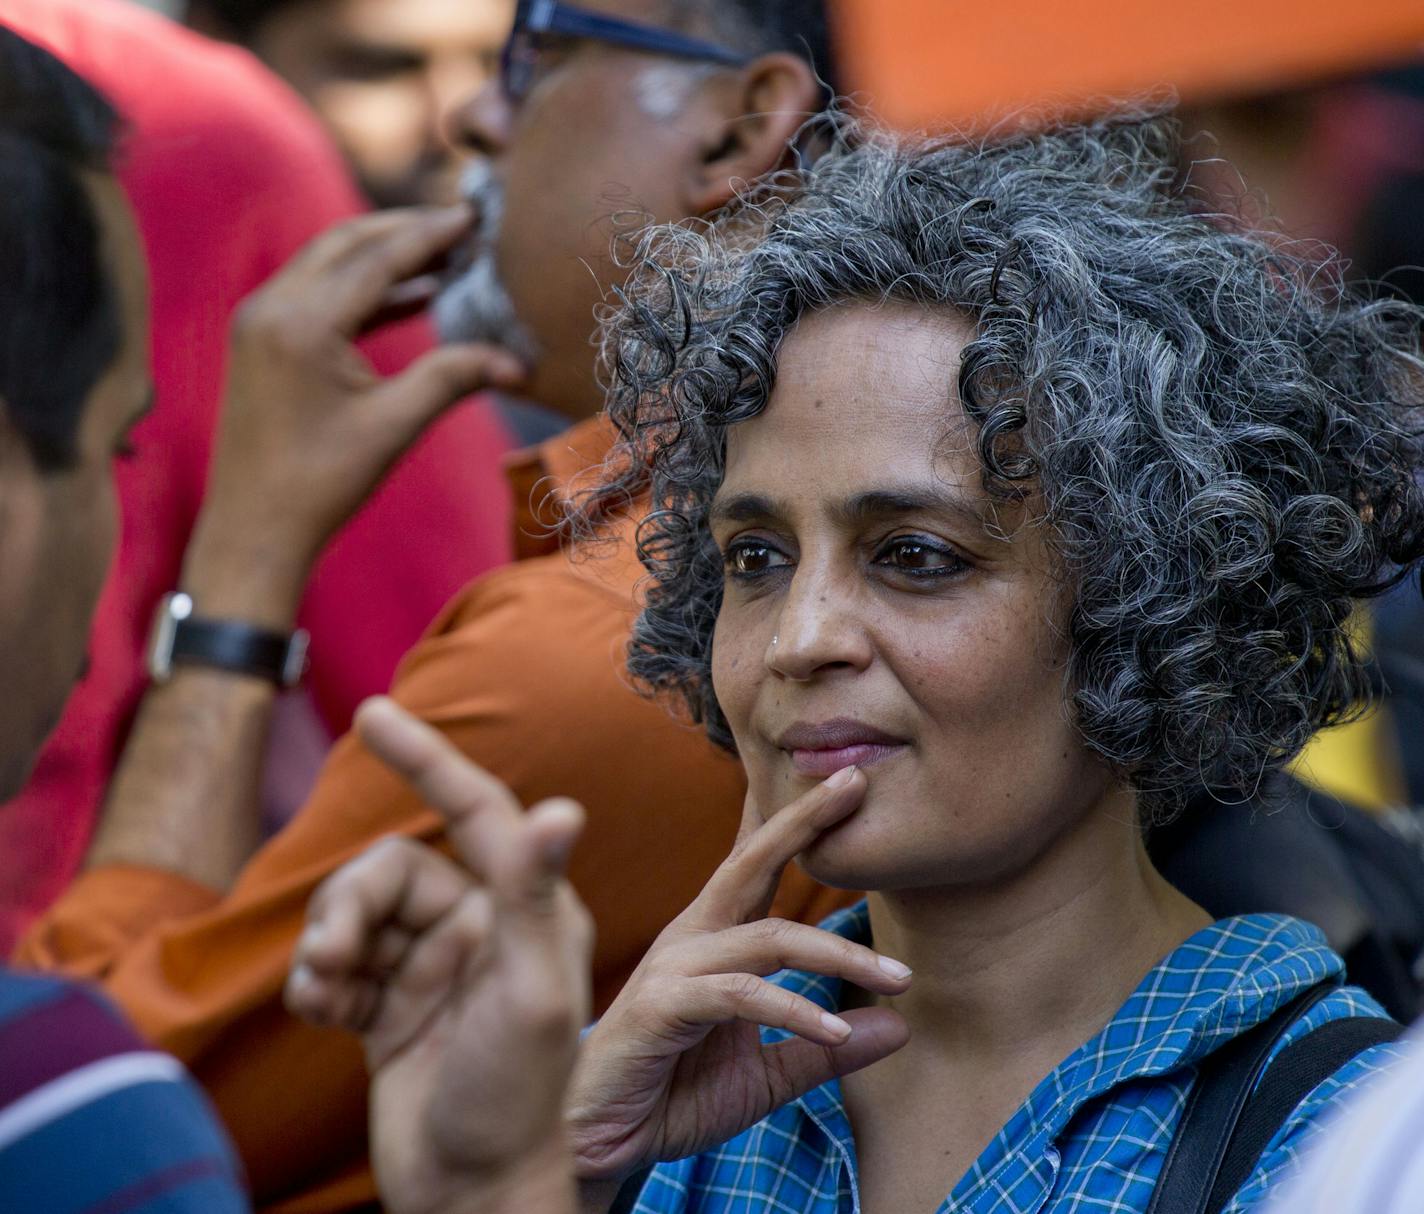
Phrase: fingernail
(835, 1024)
(557, 852)
(895, 969)
(842, 777)
(510, 367)
(413, 290)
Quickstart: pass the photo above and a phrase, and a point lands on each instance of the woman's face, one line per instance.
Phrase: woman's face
(881, 609)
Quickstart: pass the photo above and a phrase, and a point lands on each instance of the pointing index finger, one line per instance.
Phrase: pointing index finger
(481, 814)
(742, 888)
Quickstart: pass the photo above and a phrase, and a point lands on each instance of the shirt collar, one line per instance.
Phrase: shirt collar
(1214, 986)
(546, 477)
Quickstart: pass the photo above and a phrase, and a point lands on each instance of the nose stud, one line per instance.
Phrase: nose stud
(774, 641)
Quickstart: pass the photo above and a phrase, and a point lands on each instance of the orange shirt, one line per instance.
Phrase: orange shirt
(525, 673)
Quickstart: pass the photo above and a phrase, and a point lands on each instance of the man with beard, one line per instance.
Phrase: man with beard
(642, 109)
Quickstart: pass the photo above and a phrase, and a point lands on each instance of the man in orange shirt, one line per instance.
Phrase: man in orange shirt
(648, 104)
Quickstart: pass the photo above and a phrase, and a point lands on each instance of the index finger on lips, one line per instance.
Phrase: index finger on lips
(744, 885)
(482, 816)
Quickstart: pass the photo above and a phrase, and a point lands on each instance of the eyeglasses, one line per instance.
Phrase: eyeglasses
(535, 20)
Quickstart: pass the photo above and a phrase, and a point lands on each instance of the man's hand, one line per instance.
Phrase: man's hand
(307, 430)
(308, 427)
(468, 985)
(677, 1064)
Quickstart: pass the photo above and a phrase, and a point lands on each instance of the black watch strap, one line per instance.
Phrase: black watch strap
(182, 638)
(228, 645)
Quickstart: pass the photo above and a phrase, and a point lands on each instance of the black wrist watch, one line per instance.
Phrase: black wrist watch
(182, 638)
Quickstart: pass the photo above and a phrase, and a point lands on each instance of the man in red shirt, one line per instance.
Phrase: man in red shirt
(229, 175)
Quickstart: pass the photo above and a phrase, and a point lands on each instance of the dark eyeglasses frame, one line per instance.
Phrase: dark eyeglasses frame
(535, 17)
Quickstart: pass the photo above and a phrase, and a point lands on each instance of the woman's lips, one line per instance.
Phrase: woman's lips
(822, 749)
(822, 763)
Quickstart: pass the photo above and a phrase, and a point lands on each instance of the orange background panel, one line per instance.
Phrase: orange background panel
(951, 62)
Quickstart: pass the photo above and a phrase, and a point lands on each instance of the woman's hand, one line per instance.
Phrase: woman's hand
(468, 987)
(677, 1064)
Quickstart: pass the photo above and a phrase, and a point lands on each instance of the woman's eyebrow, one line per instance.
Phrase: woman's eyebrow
(861, 508)
(893, 503)
(744, 508)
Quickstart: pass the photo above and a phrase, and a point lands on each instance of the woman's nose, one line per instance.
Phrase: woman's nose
(819, 629)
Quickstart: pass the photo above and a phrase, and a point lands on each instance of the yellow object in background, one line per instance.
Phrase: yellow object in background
(1357, 762)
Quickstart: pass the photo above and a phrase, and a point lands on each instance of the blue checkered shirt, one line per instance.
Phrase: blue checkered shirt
(1093, 1135)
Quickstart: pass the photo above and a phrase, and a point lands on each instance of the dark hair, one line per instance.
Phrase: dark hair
(1224, 442)
(758, 27)
(60, 327)
(243, 18)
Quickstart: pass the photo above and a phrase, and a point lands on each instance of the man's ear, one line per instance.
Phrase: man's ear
(749, 118)
(17, 469)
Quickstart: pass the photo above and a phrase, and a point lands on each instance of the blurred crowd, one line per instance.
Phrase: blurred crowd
(588, 628)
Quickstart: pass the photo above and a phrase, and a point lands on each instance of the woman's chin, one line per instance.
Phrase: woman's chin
(849, 857)
(871, 852)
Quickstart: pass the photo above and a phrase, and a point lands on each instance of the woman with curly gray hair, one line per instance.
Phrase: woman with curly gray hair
(999, 501)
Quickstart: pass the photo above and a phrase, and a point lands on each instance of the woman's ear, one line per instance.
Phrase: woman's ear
(748, 119)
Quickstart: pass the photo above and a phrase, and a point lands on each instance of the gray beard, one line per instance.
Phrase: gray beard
(474, 305)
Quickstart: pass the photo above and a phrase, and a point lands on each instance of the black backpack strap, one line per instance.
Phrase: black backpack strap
(1224, 1128)
(1297, 1071)
(629, 1192)
(1224, 1082)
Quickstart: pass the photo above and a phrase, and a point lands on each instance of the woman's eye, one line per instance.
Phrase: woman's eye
(750, 559)
(919, 557)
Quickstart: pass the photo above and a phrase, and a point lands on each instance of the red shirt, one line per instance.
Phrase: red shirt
(229, 175)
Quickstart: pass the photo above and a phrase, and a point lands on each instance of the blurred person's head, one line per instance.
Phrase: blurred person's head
(1388, 231)
(1391, 236)
(383, 75)
(74, 378)
(591, 136)
(1245, 152)
(1317, 152)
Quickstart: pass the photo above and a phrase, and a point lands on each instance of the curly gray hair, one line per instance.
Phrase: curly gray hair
(1225, 442)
